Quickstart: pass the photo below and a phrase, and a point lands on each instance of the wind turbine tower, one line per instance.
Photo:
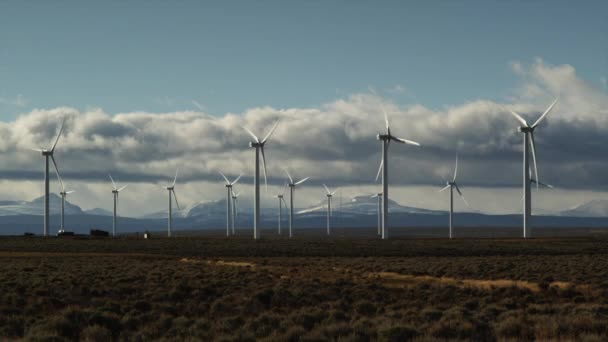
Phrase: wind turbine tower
(329, 210)
(528, 133)
(115, 191)
(171, 189)
(259, 147)
(46, 154)
(386, 139)
(229, 210)
(451, 185)
(292, 193)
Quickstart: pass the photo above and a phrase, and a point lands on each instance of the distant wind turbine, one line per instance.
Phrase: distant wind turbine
(235, 209)
(46, 154)
(63, 194)
(379, 196)
(528, 132)
(386, 140)
(229, 211)
(115, 191)
(259, 146)
(281, 198)
(329, 210)
(171, 189)
(292, 192)
(451, 185)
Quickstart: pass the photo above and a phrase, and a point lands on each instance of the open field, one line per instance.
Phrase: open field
(309, 289)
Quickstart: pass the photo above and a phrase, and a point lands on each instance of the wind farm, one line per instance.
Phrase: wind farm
(347, 171)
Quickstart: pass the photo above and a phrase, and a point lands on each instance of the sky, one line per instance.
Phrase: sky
(150, 87)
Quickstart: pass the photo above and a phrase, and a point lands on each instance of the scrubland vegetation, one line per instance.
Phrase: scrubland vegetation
(203, 289)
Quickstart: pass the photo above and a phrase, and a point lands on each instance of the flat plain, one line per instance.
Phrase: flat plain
(304, 289)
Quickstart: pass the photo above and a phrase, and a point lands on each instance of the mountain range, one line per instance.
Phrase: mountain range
(17, 217)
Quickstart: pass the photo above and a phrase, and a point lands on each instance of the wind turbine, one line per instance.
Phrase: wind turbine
(281, 201)
(528, 132)
(386, 140)
(235, 209)
(229, 210)
(329, 211)
(46, 154)
(451, 185)
(63, 194)
(115, 191)
(259, 146)
(171, 189)
(379, 196)
(292, 192)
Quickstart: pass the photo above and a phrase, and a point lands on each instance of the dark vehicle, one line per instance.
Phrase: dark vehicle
(99, 233)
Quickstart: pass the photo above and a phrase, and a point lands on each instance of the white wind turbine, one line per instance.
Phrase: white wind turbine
(451, 185)
(329, 210)
(171, 189)
(528, 132)
(281, 198)
(386, 139)
(46, 154)
(229, 210)
(379, 196)
(292, 192)
(115, 191)
(235, 209)
(63, 194)
(259, 146)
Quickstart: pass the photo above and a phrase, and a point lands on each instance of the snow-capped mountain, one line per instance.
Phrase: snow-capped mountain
(99, 212)
(35, 207)
(364, 204)
(594, 208)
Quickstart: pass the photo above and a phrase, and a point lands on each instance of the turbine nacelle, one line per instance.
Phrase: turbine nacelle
(525, 129)
(254, 144)
(383, 137)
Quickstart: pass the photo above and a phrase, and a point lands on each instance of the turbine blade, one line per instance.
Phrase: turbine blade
(405, 141)
(121, 189)
(445, 188)
(284, 189)
(335, 191)
(113, 183)
(534, 158)
(302, 181)
(271, 131)
(237, 179)
(385, 118)
(519, 118)
(374, 196)
(57, 172)
(542, 117)
(288, 176)
(59, 135)
(227, 181)
(70, 192)
(251, 133)
(455, 169)
(175, 179)
(37, 149)
(546, 185)
(379, 170)
(176, 201)
(282, 199)
(264, 167)
(458, 189)
(327, 189)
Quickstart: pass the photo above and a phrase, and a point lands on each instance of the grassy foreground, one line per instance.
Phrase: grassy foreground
(303, 289)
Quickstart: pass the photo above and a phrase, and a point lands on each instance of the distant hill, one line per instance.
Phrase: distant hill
(594, 208)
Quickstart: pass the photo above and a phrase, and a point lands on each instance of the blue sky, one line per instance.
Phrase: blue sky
(228, 56)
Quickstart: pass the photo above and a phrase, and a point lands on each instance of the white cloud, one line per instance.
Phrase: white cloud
(333, 143)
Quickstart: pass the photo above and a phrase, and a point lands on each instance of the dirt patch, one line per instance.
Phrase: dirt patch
(218, 262)
(392, 279)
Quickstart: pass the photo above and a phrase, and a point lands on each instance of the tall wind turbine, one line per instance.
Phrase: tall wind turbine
(235, 209)
(46, 154)
(329, 210)
(171, 189)
(379, 196)
(386, 140)
(115, 191)
(281, 198)
(292, 192)
(229, 210)
(451, 185)
(259, 146)
(528, 132)
(63, 194)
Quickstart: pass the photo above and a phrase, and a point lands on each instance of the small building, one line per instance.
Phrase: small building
(147, 235)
